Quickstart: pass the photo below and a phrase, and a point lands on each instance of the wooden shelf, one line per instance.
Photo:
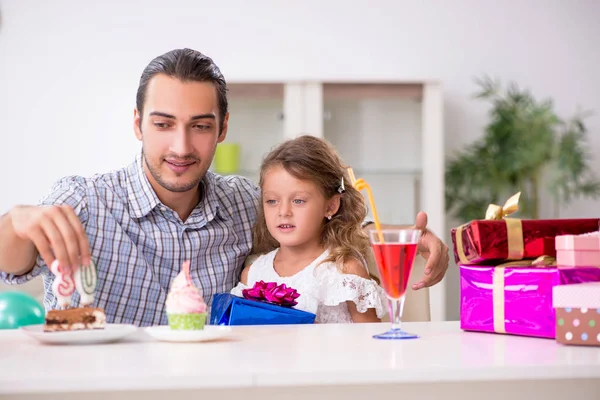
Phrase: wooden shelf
(357, 172)
(331, 91)
(345, 91)
(390, 132)
(253, 91)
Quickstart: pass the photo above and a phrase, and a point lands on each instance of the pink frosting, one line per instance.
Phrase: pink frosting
(184, 297)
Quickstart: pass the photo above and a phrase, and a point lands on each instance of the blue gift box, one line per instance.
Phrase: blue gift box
(228, 309)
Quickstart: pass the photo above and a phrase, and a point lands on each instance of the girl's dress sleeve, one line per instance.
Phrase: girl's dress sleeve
(337, 287)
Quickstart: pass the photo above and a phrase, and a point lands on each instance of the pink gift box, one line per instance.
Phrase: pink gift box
(578, 250)
(577, 258)
(514, 300)
(577, 242)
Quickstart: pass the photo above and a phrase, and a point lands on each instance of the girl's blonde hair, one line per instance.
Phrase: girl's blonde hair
(312, 159)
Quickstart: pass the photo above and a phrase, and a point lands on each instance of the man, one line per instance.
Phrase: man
(140, 223)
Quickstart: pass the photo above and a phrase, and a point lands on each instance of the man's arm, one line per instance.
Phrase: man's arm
(17, 255)
(54, 232)
(31, 236)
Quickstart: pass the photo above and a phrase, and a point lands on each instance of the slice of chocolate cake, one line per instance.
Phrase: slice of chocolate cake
(74, 319)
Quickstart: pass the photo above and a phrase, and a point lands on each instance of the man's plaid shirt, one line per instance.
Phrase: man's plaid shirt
(139, 244)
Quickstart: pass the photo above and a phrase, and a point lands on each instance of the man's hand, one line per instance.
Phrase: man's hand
(55, 231)
(434, 251)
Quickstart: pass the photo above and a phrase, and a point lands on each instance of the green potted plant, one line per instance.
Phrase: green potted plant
(526, 148)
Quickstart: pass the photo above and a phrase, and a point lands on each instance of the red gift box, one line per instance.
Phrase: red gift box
(498, 239)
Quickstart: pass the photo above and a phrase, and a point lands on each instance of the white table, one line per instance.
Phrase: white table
(306, 361)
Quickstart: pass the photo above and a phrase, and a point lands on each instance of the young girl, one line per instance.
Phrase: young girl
(309, 234)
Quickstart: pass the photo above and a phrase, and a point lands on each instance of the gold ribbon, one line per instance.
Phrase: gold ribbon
(514, 229)
(541, 261)
(459, 245)
(498, 286)
(511, 206)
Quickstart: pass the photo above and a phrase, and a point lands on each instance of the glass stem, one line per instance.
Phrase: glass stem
(396, 308)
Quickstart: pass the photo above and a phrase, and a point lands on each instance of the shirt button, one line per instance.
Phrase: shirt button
(163, 209)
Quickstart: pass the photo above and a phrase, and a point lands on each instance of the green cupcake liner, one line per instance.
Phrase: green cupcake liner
(187, 321)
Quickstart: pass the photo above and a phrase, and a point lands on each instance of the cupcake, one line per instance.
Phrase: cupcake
(186, 309)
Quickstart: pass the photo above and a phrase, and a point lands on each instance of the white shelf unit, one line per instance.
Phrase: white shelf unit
(390, 133)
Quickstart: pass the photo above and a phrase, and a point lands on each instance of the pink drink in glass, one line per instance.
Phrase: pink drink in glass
(395, 251)
(395, 261)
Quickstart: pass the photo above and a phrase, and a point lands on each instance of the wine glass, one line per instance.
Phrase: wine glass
(395, 251)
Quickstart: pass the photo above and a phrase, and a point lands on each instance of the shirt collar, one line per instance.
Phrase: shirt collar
(143, 199)
(210, 203)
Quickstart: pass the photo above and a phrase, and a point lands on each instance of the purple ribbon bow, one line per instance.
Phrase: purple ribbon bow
(271, 292)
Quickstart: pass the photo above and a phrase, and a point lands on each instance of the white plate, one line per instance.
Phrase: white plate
(210, 332)
(110, 333)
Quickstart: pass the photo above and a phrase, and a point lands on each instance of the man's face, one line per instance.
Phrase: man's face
(179, 131)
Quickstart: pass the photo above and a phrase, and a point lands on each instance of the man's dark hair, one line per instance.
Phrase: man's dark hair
(186, 65)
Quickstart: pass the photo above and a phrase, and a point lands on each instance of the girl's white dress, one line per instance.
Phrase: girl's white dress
(324, 290)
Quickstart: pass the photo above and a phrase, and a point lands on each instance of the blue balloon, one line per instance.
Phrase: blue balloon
(20, 309)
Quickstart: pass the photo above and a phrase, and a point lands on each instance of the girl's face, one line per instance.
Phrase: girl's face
(295, 210)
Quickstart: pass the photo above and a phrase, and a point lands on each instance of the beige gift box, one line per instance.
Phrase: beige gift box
(577, 313)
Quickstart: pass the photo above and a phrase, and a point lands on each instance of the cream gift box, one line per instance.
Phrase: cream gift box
(577, 309)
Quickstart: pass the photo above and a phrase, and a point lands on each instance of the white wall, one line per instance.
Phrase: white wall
(69, 69)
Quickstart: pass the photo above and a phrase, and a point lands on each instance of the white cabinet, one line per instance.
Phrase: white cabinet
(390, 133)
